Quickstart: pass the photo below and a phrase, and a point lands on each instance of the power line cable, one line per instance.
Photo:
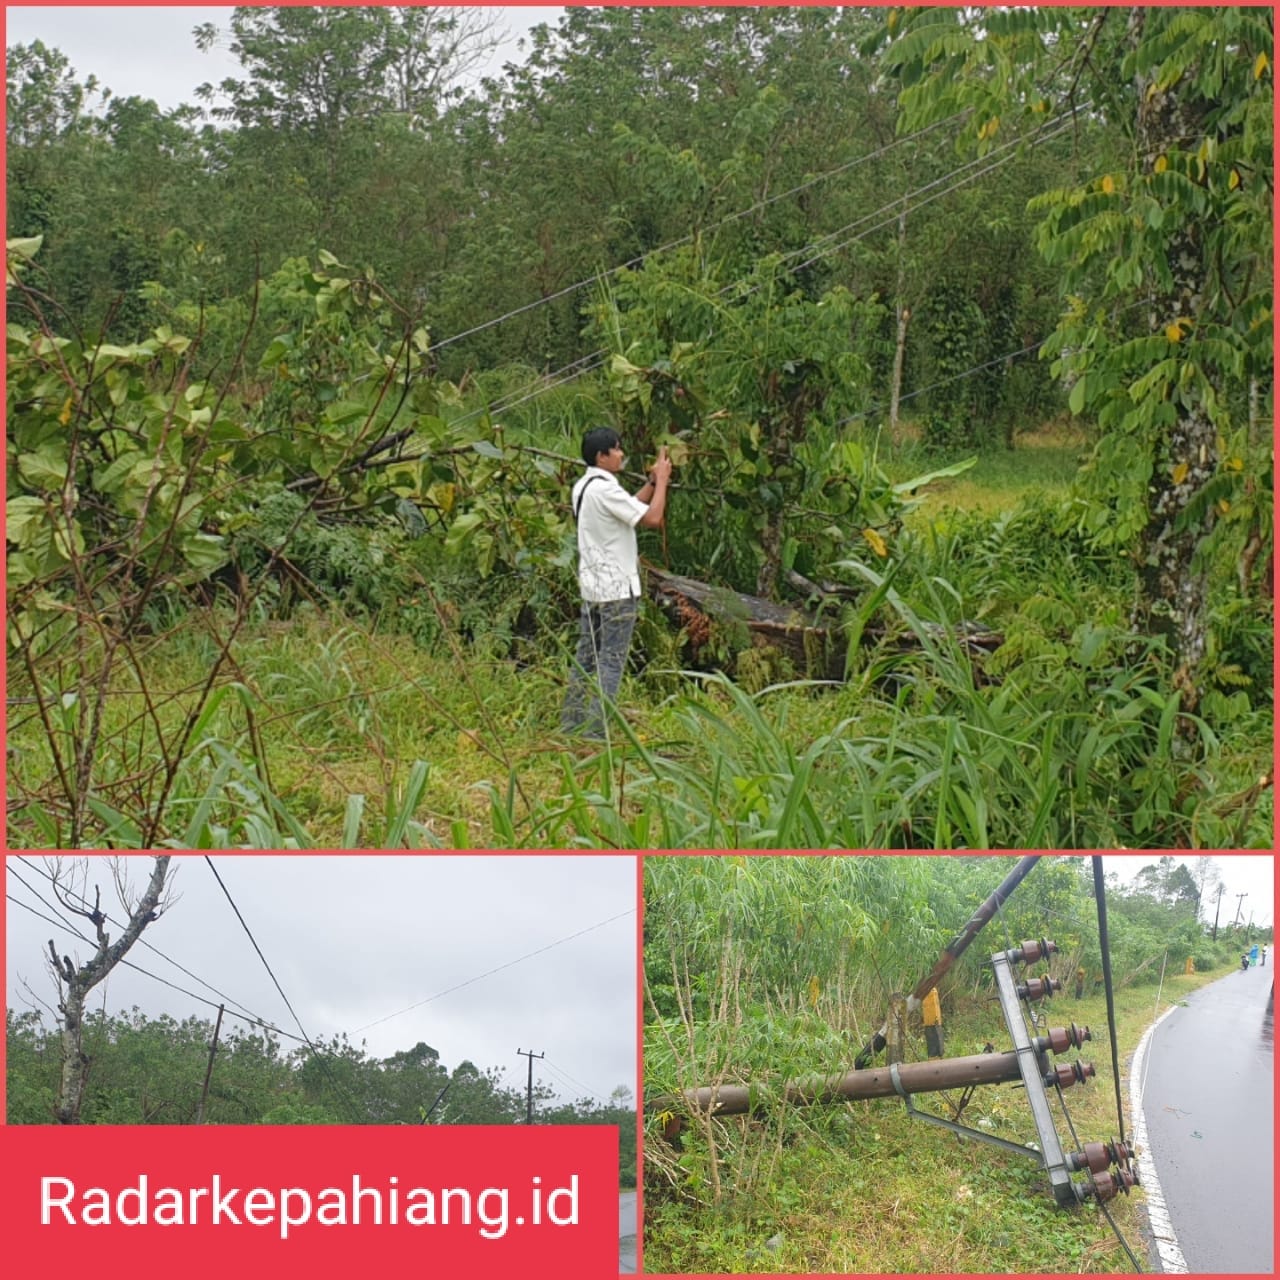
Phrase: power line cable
(498, 969)
(249, 932)
(57, 924)
(1100, 893)
(921, 194)
(1062, 124)
(1106, 1213)
(561, 1074)
(595, 359)
(56, 907)
(319, 1057)
(155, 977)
(686, 239)
(150, 946)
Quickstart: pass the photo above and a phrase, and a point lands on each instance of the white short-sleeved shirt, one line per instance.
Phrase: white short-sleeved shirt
(608, 563)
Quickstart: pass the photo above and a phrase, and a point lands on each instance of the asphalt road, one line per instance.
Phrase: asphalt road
(627, 1231)
(1208, 1101)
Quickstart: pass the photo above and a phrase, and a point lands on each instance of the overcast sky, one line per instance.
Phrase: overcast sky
(353, 940)
(1247, 873)
(150, 52)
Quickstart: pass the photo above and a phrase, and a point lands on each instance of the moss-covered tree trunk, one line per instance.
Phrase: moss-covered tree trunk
(1175, 586)
(75, 983)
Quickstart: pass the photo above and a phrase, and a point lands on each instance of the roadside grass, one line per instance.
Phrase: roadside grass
(323, 734)
(863, 1188)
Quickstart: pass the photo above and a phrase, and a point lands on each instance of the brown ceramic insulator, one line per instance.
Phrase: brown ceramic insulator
(1033, 950)
(1039, 988)
(1068, 1074)
(1095, 1156)
(1107, 1185)
(1104, 1187)
(1060, 1039)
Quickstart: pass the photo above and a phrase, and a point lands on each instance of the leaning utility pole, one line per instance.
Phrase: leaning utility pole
(1216, 910)
(528, 1105)
(208, 1071)
(952, 952)
(1240, 897)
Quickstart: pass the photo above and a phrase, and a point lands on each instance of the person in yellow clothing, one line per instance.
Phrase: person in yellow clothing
(608, 573)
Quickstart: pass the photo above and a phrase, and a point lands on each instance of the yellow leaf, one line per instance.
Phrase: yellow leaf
(1260, 66)
(1235, 464)
(1234, 181)
(815, 990)
(876, 543)
(65, 416)
(1174, 332)
(1161, 164)
(892, 21)
(445, 495)
(1109, 185)
(1223, 506)
(1180, 472)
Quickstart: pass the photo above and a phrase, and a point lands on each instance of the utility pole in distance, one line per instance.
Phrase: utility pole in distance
(1240, 897)
(1216, 910)
(528, 1105)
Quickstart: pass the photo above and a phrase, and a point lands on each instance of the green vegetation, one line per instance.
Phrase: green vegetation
(289, 558)
(151, 1071)
(762, 970)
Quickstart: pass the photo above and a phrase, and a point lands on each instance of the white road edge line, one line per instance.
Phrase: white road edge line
(1171, 1259)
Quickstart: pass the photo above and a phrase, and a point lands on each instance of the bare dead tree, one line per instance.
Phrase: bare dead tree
(75, 981)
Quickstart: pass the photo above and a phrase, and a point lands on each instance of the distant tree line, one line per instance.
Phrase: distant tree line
(151, 1070)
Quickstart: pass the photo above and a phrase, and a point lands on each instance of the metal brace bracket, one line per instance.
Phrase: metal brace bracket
(1034, 1065)
(962, 1129)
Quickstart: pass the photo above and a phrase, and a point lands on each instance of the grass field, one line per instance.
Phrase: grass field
(864, 1188)
(327, 731)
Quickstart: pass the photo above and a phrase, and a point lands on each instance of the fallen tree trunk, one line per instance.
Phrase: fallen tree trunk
(814, 645)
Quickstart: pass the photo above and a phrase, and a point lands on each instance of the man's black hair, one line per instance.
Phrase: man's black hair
(597, 441)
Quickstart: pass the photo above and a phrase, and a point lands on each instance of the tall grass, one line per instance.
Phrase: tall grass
(760, 971)
(327, 730)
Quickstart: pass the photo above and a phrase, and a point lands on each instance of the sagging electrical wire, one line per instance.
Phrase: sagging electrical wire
(594, 360)
(687, 239)
(222, 995)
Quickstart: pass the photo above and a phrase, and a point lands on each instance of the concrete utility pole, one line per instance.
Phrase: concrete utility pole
(1240, 897)
(528, 1105)
(1217, 909)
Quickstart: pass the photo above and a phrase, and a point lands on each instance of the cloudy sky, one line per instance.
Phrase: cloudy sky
(356, 941)
(1250, 874)
(149, 51)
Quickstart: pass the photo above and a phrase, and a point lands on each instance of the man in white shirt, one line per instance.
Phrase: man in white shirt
(608, 573)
